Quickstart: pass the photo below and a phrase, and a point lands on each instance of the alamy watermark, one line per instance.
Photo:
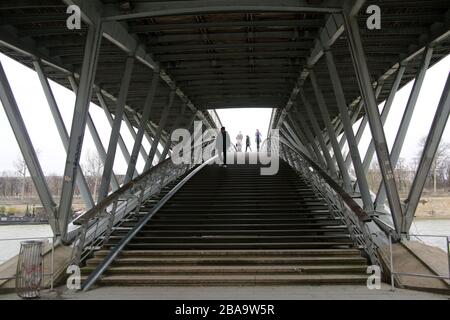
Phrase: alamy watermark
(374, 20)
(73, 22)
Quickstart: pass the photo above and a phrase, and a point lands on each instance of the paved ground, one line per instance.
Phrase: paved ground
(239, 293)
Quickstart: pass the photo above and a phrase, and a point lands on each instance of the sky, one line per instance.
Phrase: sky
(45, 138)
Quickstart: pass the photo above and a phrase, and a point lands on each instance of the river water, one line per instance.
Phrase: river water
(10, 248)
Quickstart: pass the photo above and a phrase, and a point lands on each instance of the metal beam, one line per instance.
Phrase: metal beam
(142, 126)
(384, 114)
(296, 141)
(94, 134)
(121, 142)
(115, 131)
(309, 136)
(220, 46)
(334, 28)
(26, 147)
(118, 34)
(362, 127)
(371, 108)
(319, 136)
(174, 127)
(301, 136)
(62, 131)
(304, 23)
(147, 9)
(348, 129)
(161, 126)
(406, 120)
(148, 132)
(331, 134)
(429, 153)
(133, 135)
(91, 52)
(299, 53)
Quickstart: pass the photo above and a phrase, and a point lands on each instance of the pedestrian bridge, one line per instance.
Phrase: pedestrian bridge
(158, 66)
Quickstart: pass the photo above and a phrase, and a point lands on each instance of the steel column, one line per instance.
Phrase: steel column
(301, 136)
(371, 108)
(133, 135)
(147, 133)
(94, 134)
(348, 129)
(331, 134)
(362, 126)
(353, 120)
(310, 137)
(292, 133)
(406, 120)
(162, 124)
(140, 134)
(62, 131)
(319, 136)
(429, 152)
(384, 114)
(121, 142)
(174, 127)
(26, 147)
(188, 127)
(115, 131)
(91, 52)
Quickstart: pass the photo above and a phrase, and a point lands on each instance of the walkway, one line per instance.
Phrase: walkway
(240, 293)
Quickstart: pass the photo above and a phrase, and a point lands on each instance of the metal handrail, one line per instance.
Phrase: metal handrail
(419, 275)
(132, 233)
(105, 203)
(338, 201)
(348, 199)
(96, 225)
(91, 213)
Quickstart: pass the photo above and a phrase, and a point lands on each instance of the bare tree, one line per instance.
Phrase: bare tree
(21, 169)
(93, 167)
(440, 160)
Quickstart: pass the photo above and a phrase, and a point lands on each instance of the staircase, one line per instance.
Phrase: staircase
(232, 226)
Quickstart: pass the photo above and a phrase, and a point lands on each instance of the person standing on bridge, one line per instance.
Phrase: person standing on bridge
(239, 139)
(223, 144)
(258, 139)
(247, 143)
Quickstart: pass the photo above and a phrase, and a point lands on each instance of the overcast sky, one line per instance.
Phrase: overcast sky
(42, 130)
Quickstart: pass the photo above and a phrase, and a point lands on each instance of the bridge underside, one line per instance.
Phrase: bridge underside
(159, 65)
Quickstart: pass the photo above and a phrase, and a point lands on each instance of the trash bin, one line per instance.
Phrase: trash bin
(29, 274)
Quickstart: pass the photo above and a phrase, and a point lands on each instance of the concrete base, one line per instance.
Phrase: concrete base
(62, 255)
(417, 258)
(239, 293)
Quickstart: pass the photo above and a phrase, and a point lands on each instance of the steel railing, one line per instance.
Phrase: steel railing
(420, 275)
(114, 252)
(97, 224)
(339, 202)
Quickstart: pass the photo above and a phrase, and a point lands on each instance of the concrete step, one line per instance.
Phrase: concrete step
(241, 220)
(235, 253)
(242, 245)
(229, 214)
(233, 270)
(166, 233)
(222, 261)
(223, 280)
(254, 238)
(181, 224)
(159, 225)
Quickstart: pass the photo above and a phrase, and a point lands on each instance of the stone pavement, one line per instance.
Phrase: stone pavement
(239, 293)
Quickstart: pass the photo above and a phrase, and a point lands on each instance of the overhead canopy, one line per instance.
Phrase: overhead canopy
(223, 54)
